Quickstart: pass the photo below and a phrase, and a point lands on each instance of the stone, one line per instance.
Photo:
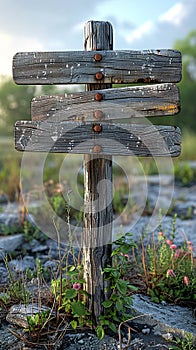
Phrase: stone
(11, 243)
(28, 262)
(164, 319)
(3, 198)
(146, 330)
(3, 275)
(168, 336)
(17, 314)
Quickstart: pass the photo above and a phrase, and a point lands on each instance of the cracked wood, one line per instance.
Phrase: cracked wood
(80, 67)
(119, 103)
(114, 139)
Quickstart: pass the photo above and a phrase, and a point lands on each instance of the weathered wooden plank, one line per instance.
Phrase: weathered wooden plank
(93, 138)
(129, 102)
(80, 67)
(98, 195)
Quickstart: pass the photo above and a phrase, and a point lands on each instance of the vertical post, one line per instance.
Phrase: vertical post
(98, 211)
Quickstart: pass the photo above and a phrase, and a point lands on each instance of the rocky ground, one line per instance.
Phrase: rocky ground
(157, 331)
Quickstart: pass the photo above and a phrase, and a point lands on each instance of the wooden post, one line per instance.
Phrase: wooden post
(98, 213)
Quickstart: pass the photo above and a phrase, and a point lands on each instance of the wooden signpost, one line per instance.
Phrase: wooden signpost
(88, 123)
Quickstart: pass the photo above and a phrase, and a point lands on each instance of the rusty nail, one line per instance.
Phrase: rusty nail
(98, 114)
(98, 97)
(97, 149)
(99, 75)
(97, 57)
(97, 128)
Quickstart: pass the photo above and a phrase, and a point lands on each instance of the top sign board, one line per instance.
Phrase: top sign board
(91, 67)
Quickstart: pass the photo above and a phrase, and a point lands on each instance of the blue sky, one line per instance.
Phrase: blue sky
(41, 25)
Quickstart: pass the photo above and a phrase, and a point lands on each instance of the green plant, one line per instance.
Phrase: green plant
(120, 299)
(168, 270)
(37, 322)
(70, 296)
(184, 173)
(185, 343)
(15, 290)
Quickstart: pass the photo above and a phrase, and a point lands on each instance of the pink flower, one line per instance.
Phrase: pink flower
(186, 280)
(127, 256)
(168, 241)
(173, 246)
(161, 234)
(178, 253)
(170, 273)
(190, 248)
(189, 243)
(77, 286)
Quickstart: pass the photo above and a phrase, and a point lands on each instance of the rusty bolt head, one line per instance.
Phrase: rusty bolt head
(99, 75)
(97, 57)
(97, 128)
(97, 149)
(98, 97)
(98, 115)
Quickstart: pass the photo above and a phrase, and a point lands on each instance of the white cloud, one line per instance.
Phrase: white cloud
(175, 14)
(139, 32)
(10, 45)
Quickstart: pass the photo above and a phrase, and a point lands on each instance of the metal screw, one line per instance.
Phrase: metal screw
(98, 97)
(98, 114)
(97, 128)
(97, 57)
(97, 149)
(99, 75)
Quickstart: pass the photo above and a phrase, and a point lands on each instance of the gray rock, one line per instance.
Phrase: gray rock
(3, 275)
(10, 243)
(88, 341)
(28, 262)
(184, 210)
(3, 198)
(18, 313)
(164, 319)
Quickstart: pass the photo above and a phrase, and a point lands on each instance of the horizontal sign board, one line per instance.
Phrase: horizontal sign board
(103, 138)
(81, 67)
(122, 103)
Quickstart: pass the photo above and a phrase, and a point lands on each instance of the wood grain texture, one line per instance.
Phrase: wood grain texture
(98, 189)
(79, 67)
(119, 103)
(114, 139)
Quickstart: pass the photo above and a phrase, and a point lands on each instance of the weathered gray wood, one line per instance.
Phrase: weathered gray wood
(112, 139)
(79, 67)
(129, 102)
(98, 191)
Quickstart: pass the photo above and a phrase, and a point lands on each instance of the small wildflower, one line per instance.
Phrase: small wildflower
(127, 256)
(170, 273)
(186, 280)
(178, 253)
(161, 234)
(173, 246)
(169, 242)
(77, 286)
(189, 243)
(190, 248)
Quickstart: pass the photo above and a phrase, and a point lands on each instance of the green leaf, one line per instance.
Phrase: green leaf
(70, 293)
(107, 303)
(122, 286)
(74, 324)
(133, 288)
(112, 326)
(100, 332)
(78, 309)
(119, 305)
